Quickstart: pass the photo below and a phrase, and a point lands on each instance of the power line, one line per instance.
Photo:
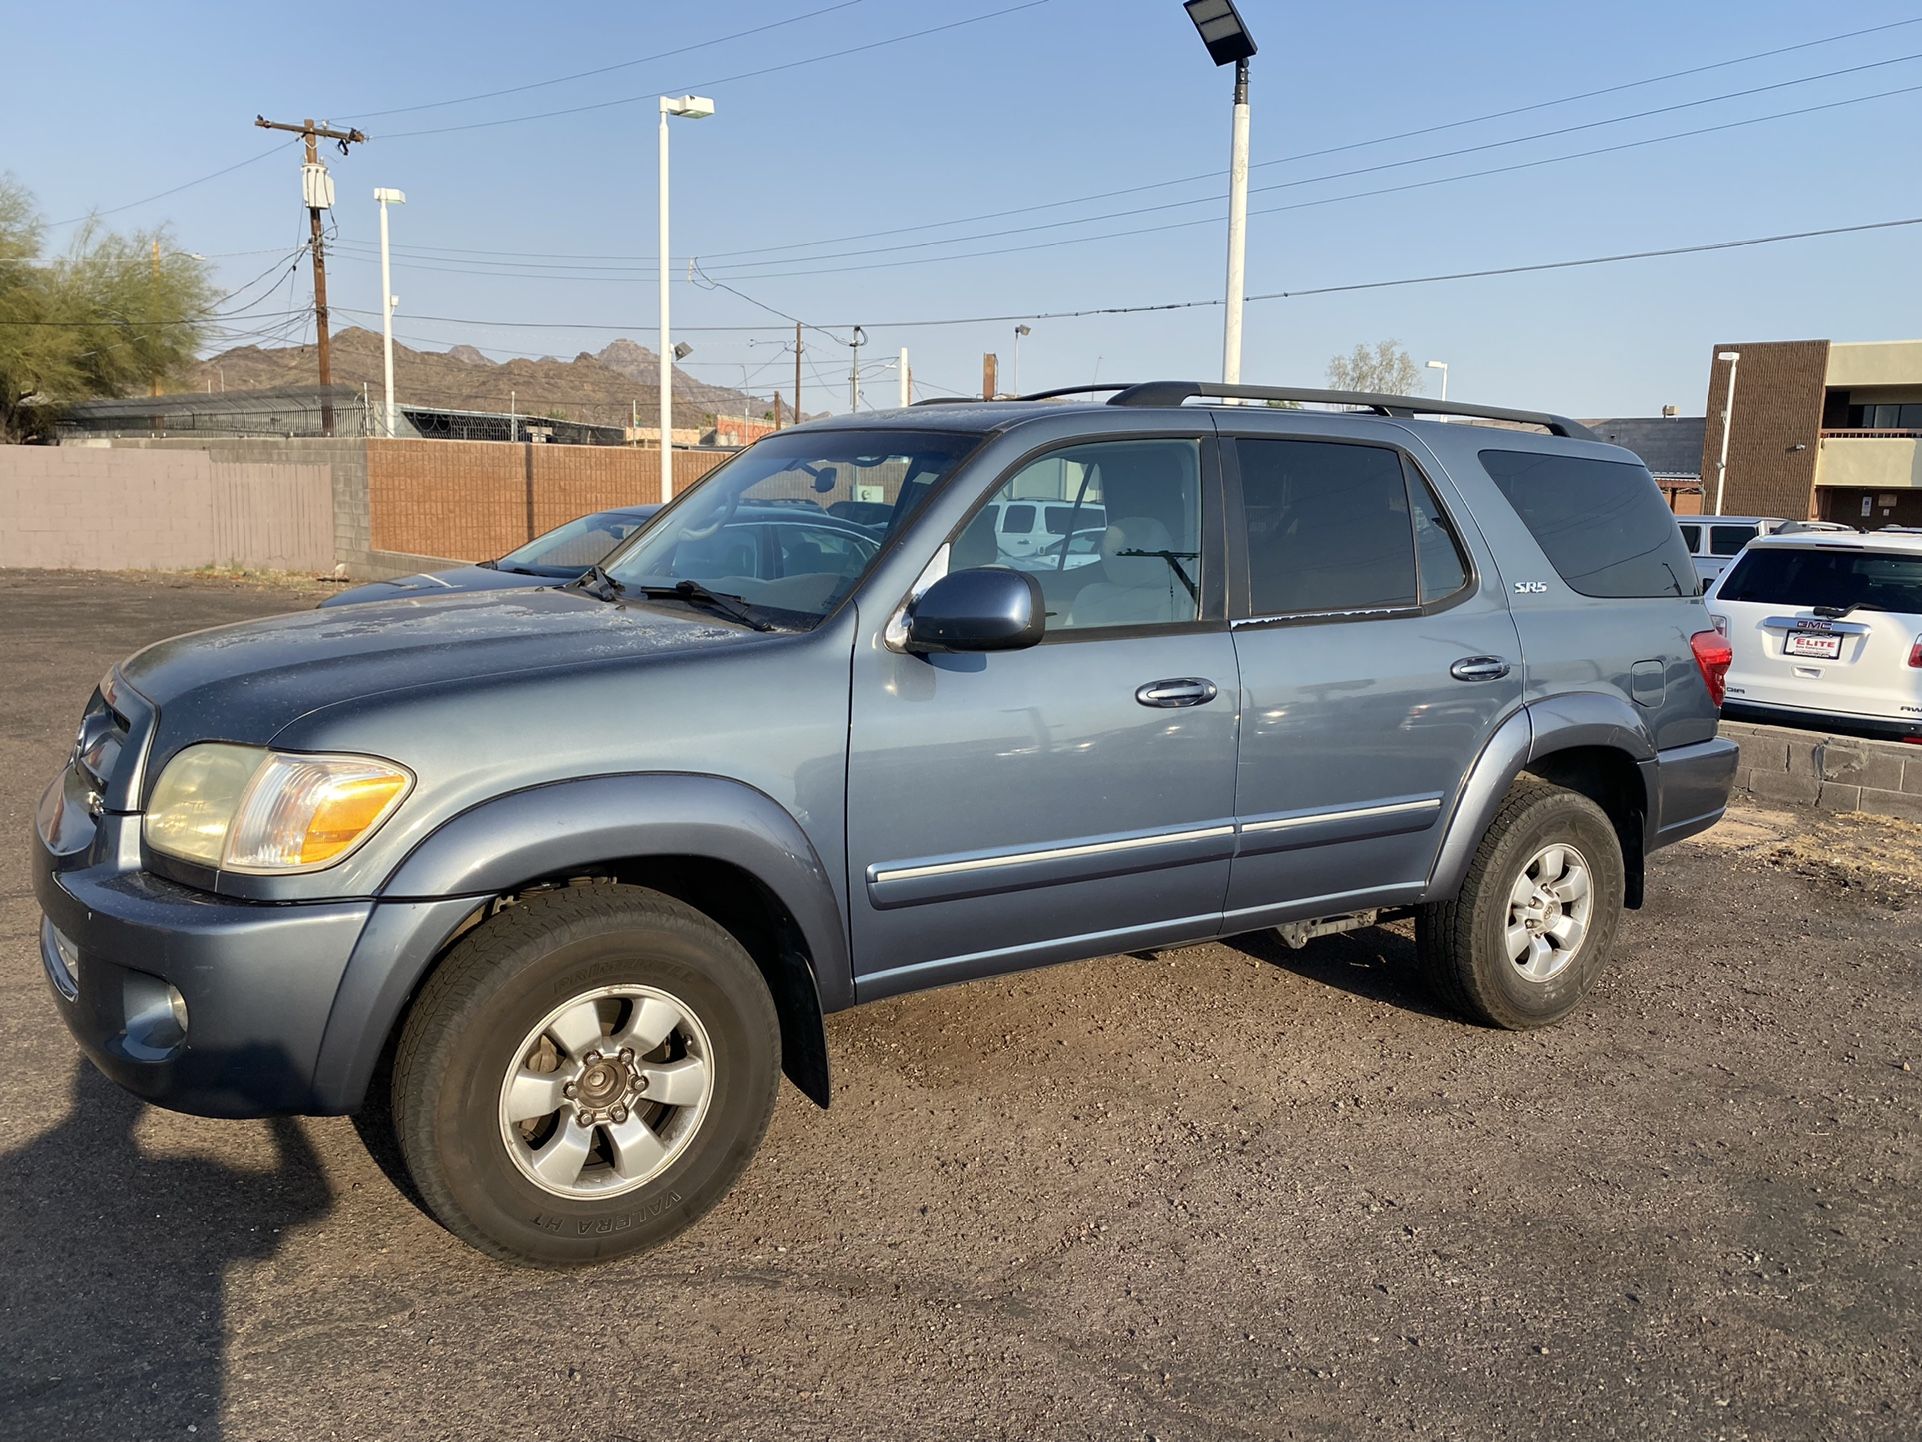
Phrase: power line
(723, 80)
(1373, 169)
(1339, 199)
(606, 69)
(1031, 315)
(1333, 149)
(175, 190)
(748, 270)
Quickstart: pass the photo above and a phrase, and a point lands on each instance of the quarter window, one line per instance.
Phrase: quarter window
(1602, 524)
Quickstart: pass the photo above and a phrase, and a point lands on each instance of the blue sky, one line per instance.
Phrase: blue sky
(1059, 100)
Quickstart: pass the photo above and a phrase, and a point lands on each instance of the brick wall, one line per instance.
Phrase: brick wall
(474, 500)
(112, 509)
(1778, 406)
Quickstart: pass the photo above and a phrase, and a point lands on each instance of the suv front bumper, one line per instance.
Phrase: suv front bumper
(195, 1002)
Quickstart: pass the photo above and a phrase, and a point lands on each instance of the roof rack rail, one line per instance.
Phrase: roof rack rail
(1173, 393)
(1030, 396)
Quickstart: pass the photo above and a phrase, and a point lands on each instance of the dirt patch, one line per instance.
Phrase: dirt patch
(1876, 859)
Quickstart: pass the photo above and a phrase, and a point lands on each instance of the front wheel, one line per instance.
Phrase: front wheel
(585, 1075)
(1537, 913)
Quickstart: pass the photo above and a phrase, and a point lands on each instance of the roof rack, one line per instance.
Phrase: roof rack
(1173, 393)
(1030, 396)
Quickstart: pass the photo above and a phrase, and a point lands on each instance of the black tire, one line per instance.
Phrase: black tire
(1461, 943)
(499, 982)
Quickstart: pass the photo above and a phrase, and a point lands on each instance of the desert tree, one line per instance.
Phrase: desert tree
(1384, 368)
(105, 317)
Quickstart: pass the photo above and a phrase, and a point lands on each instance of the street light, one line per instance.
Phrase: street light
(688, 107)
(1441, 366)
(388, 300)
(1019, 331)
(1228, 42)
(1728, 410)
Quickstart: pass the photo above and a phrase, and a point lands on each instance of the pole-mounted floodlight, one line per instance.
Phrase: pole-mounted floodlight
(385, 196)
(1733, 358)
(1227, 39)
(687, 107)
(1229, 43)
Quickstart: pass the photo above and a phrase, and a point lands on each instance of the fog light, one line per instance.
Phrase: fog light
(62, 960)
(177, 1004)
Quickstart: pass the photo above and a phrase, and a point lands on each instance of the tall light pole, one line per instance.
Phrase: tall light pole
(1728, 411)
(1229, 42)
(854, 370)
(689, 107)
(388, 300)
(1441, 366)
(1019, 331)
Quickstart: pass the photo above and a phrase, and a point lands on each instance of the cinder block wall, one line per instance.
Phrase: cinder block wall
(109, 508)
(1836, 773)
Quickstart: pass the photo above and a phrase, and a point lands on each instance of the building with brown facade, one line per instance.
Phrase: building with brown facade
(1819, 430)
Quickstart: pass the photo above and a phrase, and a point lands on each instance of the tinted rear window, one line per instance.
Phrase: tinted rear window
(1844, 579)
(1602, 524)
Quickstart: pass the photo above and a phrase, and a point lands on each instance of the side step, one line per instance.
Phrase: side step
(1298, 934)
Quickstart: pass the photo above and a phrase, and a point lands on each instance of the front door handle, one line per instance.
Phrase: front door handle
(1479, 668)
(1177, 691)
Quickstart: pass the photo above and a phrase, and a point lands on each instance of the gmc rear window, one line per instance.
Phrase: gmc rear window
(1838, 579)
(1602, 524)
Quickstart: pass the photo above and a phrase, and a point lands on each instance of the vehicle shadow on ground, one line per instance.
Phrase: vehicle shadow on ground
(1373, 962)
(114, 1265)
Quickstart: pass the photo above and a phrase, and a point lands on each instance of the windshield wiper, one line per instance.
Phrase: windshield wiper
(596, 583)
(1174, 560)
(731, 606)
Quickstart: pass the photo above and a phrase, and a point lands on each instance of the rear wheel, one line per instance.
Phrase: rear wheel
(585, 1075)
(1537, 913)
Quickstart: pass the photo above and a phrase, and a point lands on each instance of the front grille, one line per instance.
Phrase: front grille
(100, 745)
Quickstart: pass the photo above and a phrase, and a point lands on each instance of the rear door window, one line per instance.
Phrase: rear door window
(1602, 524)
(1727, 540)
(1837, 578)
(1692, 537)
(1328, 527)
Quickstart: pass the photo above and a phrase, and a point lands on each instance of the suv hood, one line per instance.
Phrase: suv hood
(247, 681)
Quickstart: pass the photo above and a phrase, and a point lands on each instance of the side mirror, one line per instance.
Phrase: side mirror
(983, 610)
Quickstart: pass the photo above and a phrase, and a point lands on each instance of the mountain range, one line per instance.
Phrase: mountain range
(607, 386)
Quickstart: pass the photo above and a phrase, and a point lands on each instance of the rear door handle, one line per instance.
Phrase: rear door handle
(1479, 668)
(1177, 691)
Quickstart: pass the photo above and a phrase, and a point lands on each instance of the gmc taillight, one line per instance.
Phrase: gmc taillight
(1712, 656)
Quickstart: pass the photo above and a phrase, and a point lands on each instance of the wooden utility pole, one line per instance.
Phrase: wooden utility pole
(797, 372)
(312, 133)
(156, 284)
(988, 364)
(777, 410)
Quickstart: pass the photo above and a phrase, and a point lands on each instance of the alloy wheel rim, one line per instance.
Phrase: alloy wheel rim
(1550, 908)
(606, 1091)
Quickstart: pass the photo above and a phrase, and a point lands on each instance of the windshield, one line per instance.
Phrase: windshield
(773, 527)
(1836, 578)
(568, 550)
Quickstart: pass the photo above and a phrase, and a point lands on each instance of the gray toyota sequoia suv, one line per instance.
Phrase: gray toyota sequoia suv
(559, 882)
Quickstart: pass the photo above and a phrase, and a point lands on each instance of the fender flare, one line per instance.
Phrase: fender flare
(502, 844)
(1537, 730)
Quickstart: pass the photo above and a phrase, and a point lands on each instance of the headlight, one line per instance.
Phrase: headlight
(240, 808)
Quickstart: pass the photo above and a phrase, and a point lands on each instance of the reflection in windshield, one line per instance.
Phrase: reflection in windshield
(790, 525)
(570, 549)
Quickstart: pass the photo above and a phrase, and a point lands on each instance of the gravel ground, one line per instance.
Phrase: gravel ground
(1229, 1191)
